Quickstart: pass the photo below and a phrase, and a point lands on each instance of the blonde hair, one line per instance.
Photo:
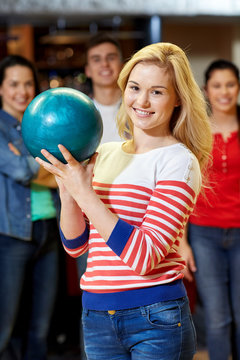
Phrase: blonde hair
(189, 123)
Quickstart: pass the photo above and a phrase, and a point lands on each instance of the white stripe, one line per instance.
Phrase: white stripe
(107, 267)
(160, 232)
(131, 218)
(176, 188)
(99, 249)
(78, 252)
(159, 220)
(121, 278)
(170, 206)
(125, 198)
(127, 256)
(163, 212)
(127, 286)
(123, 189)
(137, 257)
(103, 258)
(126, 208)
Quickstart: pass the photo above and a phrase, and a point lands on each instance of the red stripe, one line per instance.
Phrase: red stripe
(172, 202)
(179, 184)
(128, 203)
(123, 193)
(123, 186)
(164, 217)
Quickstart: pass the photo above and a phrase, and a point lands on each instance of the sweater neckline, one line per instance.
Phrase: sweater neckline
(150, 151)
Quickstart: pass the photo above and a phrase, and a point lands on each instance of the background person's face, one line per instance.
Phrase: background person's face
(17, 90)
(222, 90)
(104, 64)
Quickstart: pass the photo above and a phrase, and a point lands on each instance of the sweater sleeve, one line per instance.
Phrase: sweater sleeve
(143, 248)
(78, 246)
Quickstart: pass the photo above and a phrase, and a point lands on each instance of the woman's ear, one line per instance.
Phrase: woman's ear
(178, 102)
(205, 92)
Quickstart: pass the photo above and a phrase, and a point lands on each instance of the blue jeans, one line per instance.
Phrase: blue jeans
(36, 262)
(217, 256)
(162, 331)
(81, 267)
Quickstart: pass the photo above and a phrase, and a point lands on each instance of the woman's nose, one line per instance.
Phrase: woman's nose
(143, 100)
(22, 89)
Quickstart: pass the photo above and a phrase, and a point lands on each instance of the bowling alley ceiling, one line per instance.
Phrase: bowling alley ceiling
(83, 9)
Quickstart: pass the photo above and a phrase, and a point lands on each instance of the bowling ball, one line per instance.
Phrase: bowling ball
(62, 116)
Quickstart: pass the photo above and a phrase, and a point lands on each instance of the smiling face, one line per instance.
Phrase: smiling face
(103, 64)
(17, 90)
(222, 90)
(150, 98)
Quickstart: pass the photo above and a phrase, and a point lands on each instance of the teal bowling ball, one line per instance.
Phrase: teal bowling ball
(62, 116)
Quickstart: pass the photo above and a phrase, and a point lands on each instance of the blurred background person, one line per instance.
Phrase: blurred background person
(103, 65)
(28, 226)
(214, 227)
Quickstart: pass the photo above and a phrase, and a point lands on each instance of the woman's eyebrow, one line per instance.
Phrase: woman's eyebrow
(154, 86)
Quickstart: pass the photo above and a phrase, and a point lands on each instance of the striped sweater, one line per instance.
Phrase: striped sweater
(153, 195)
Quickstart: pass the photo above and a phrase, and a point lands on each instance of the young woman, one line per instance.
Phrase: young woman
(28, 226)
(137, 196)
(214, 228)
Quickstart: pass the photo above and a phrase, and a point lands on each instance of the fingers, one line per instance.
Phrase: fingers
(91, 163)
(192, 265)
(93, 160)
(54, 166)
(52, 159)
(67, 155)
(188, 275)
(47, 166)
(58, 180)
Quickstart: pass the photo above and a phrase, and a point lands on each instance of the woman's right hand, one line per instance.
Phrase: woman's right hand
(185, 251)
(75, 176)
(63, 193)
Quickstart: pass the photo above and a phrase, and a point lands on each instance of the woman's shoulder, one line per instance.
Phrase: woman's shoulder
(109, 146)
(180, 155)
(180, 164)
(176, 153)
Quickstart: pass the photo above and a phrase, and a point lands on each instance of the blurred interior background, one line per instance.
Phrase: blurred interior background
(53, 33)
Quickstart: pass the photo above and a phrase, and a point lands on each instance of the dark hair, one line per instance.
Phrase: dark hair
(12, 60)
(99, 39)
(221, 64)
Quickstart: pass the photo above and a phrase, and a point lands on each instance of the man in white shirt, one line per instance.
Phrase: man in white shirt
(103, 65)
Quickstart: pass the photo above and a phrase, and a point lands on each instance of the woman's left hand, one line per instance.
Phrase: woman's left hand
(13, 149)
(76, 177)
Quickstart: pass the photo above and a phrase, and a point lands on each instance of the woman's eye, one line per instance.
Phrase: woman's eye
(232, 84)
(157, 92)
(135, 88)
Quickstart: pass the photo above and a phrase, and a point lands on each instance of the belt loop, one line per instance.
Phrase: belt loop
(143, 310)
(85, 311)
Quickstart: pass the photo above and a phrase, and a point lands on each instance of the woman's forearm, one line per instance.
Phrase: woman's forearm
(72, 221)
